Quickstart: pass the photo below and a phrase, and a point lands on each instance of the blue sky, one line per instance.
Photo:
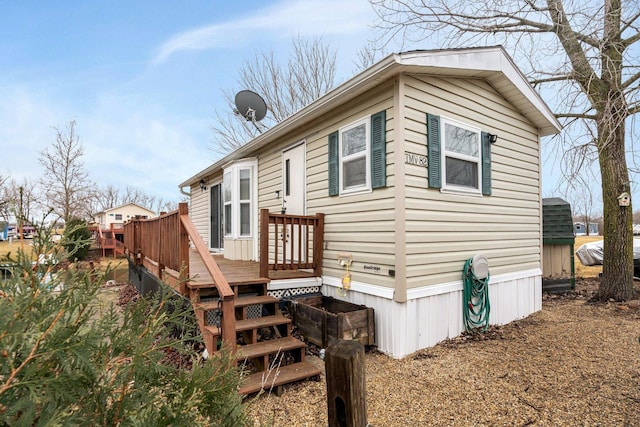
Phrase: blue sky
(142, 79)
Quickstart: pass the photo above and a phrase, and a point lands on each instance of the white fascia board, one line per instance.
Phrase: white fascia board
(489, 59)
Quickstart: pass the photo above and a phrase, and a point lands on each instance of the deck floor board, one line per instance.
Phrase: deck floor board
(236, 271)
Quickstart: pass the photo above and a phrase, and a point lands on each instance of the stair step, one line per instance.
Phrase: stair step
(261, 322)
(248, 279)
(269, 347)
(279, 376)
(249, 324)
(253, 300)
(200, 285)
(209, 305)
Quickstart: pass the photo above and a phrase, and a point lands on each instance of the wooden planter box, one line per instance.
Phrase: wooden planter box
(324, 320)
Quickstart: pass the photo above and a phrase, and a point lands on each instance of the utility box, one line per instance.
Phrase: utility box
(325, 320)
(558, 240)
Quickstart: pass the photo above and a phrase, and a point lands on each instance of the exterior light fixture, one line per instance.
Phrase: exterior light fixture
(203, 186)
(493, 138)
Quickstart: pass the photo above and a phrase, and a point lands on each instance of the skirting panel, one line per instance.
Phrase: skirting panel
(404, 328)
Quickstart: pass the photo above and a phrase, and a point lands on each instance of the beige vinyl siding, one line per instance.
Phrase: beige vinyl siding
(362, 224)
(443, 229)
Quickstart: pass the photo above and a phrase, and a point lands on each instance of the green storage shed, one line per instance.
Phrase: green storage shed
(558, 265)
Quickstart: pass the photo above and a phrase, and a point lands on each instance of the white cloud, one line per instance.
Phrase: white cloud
(282, 20)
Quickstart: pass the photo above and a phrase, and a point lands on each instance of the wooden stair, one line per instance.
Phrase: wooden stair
(266, 349)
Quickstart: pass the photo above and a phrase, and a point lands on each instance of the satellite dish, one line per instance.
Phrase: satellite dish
(250, 105)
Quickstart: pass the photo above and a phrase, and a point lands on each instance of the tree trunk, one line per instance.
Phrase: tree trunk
(617, 272)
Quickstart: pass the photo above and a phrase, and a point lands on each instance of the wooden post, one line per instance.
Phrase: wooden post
(264, 243)
(183, 248)
(318, 245)
(229, 323)
(346, 397)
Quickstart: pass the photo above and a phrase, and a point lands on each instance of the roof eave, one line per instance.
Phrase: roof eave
(348, 90)
(502, 72)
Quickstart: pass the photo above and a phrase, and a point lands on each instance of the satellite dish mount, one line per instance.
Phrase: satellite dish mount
(251, 106)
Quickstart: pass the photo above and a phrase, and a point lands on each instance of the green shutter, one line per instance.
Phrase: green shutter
(334, 166)
(433, 150)
(379, 150)
(486, 164)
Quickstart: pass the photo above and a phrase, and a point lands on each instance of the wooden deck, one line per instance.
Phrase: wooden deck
(171, 248)
(238, 272)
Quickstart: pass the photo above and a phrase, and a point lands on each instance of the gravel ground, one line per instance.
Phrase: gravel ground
(574, 363)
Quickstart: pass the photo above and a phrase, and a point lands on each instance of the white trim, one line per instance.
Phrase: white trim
(281, 284)
(443, 288)
(233, 170)
(426, 291)
(366, 153)
(365, 288)
(454, 188)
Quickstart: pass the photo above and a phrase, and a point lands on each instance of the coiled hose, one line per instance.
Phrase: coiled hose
(475, 300)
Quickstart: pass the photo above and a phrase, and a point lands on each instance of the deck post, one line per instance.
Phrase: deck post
(346, 396)
(229, 323)
(264, 243)
(137, 243)
(318, 245)
(160, 236)
(183, 248)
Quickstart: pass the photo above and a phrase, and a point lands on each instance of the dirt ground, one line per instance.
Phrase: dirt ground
(574, 363)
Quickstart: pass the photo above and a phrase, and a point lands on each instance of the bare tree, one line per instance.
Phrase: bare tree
(18, 201)
(6, 197)
(581, 194)
(286, 88)
(109, 197)
(579, 51)
(66, 182)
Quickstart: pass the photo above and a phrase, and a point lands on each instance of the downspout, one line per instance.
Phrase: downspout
(184, 192)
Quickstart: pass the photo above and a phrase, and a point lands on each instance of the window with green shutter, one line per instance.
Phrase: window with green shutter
(459, 156)
(357, 156)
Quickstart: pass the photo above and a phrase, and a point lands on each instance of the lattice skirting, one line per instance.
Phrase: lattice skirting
(284, 293)
(255, 311)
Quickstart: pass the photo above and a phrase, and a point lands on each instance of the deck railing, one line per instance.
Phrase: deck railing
(165, 242)
(291, 242)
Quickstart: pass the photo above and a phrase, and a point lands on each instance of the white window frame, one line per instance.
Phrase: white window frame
(366, 187)
(231, 175)
(453, 154)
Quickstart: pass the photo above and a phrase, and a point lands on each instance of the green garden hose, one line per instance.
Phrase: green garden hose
(475, 300)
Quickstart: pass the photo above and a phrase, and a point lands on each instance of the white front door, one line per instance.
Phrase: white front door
(293, 199)
(293, 180)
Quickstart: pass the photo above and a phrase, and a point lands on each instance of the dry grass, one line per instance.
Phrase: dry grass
(586, 270)
(14, 246)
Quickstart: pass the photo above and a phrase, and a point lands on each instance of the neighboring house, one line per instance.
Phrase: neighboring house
(420, 162)
(580, 229)
(121, 214)
(109, 233)
(4, 230)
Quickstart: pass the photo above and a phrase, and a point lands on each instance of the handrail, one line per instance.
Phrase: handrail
(224, 290)
(165, 240)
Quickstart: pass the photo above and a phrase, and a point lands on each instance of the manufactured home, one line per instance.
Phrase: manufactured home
(417, 164)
